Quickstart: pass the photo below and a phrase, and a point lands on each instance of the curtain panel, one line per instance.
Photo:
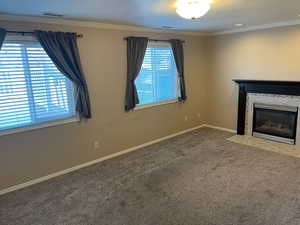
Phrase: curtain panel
(136, 49)
(2, 36)
(177, 48)
(63, 50)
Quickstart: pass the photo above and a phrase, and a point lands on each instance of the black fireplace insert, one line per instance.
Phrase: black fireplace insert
(275, 122)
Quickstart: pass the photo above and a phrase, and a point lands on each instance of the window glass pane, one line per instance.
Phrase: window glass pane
(32, 90)
(157, 80)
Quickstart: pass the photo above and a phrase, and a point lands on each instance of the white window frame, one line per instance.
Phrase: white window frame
(50, 123)
(169, 101)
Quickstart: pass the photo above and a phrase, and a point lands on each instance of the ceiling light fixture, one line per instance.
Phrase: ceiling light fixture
(239, 25)
(192, 9)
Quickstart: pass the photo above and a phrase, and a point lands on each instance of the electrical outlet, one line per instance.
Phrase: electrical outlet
(186, 118)
(199, 115)
(96, 144)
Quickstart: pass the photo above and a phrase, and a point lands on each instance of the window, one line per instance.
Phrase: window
(32, 90)
(157, 81)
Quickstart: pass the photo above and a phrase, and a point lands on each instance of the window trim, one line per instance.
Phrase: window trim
(150, 105)
(153, 44)
(52, 123)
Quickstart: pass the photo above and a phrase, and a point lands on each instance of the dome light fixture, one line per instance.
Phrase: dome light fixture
(238, 24)
(192, 9)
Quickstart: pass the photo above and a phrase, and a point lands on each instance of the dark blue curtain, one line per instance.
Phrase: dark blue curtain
(136, 49)
(177, 48)
(2, 36)
(63, 50)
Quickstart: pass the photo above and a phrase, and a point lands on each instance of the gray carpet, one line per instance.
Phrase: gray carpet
(198, 178)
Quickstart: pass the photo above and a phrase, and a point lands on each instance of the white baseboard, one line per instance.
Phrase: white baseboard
(220, 128)
(41, 179)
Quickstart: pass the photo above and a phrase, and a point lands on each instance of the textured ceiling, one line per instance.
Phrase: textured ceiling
(158, 13)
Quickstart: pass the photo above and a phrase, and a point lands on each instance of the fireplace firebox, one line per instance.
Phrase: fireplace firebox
(275, 122)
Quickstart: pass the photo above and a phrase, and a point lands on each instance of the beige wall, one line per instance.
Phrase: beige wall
(210, 63)
(29, 155)
(272, 54)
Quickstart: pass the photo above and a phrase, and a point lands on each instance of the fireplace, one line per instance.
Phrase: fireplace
(275, 122)
(275, 105)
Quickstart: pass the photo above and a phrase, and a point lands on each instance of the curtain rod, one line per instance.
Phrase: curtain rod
(29, 32)
(183, 41)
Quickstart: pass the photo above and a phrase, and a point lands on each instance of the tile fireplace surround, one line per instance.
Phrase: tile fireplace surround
(270, 99)
(285, 93)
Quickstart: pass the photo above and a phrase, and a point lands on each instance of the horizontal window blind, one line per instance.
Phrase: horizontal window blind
(32, 90)
(157, 80)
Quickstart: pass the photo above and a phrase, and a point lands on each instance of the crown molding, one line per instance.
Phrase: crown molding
(258, 27)
(122, 27)
(98, 25)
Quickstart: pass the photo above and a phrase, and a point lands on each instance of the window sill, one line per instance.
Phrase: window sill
(146, 106)
(40, 126)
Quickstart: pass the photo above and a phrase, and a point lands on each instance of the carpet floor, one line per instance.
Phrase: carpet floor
(199, 178)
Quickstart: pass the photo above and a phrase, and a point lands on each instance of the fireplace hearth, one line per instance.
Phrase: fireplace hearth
(275, 122)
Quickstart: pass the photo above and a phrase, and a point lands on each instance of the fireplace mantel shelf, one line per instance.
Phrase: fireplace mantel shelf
(263, 87)
(276, 82)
